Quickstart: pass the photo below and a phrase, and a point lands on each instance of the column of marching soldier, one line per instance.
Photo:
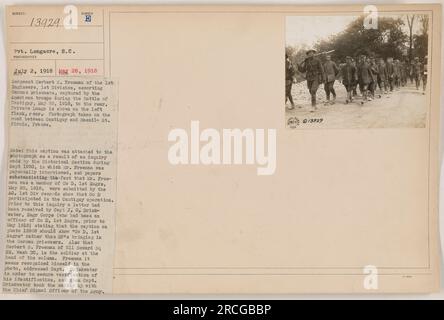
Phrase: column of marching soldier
(366, 73)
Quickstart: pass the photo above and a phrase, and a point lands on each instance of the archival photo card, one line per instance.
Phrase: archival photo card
(152, 150)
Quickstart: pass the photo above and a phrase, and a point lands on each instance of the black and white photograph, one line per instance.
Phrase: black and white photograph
(357, 71)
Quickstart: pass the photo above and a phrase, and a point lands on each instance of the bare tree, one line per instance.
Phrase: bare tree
(410, 21)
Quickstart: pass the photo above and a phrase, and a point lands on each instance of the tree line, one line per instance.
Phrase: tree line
(394, 37)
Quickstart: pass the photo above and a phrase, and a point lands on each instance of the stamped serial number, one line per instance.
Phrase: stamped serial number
(45, 22)
(313, 120)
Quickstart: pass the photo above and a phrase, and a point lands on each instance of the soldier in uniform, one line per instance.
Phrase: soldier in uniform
(358, 67)
(424, 75)
(411, 71)
(417, 71)
(390, 71)
(382, 76)
(289, 79)
(404, 72)
(397, 73)
(349, 78)
(355, 85)
(374, 76)
(364, 77)
(330, 71)
(314, 70)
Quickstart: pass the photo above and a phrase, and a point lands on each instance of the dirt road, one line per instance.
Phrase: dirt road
(403, 108)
